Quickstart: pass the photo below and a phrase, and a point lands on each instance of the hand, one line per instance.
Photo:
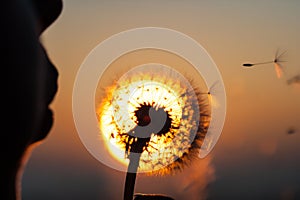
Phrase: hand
(151, 197)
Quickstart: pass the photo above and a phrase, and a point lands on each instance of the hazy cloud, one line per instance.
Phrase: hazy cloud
(294, 80)
(192, 183)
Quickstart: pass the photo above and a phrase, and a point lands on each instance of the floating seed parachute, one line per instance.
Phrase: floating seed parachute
(277, 63)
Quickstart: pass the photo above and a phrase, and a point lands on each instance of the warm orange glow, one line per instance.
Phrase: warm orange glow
(213, 101)
(161, 90)
(278, 70)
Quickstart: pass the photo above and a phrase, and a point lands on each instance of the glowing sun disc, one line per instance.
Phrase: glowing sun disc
(159, 86)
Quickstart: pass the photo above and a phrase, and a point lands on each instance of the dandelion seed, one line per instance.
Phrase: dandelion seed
(278, 60)
(211, 95)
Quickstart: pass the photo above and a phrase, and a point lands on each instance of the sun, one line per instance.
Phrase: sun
(125, 113)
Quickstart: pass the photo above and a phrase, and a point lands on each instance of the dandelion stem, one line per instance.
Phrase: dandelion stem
(138, 141)
(134, 160)
(129, 186)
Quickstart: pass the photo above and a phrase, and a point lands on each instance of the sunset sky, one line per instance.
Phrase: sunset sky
(255, 157)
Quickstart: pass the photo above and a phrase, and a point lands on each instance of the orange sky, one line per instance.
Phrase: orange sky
(260, 107)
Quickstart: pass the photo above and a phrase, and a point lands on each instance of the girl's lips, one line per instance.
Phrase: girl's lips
(51, 80)
(51, 88)
(48, 79)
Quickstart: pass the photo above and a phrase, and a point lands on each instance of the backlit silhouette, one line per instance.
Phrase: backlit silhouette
(158, 119)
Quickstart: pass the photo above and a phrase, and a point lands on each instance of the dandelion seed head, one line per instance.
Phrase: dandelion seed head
(187, 118)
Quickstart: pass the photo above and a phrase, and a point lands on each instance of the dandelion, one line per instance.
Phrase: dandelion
(277, 63)
(157, 118)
